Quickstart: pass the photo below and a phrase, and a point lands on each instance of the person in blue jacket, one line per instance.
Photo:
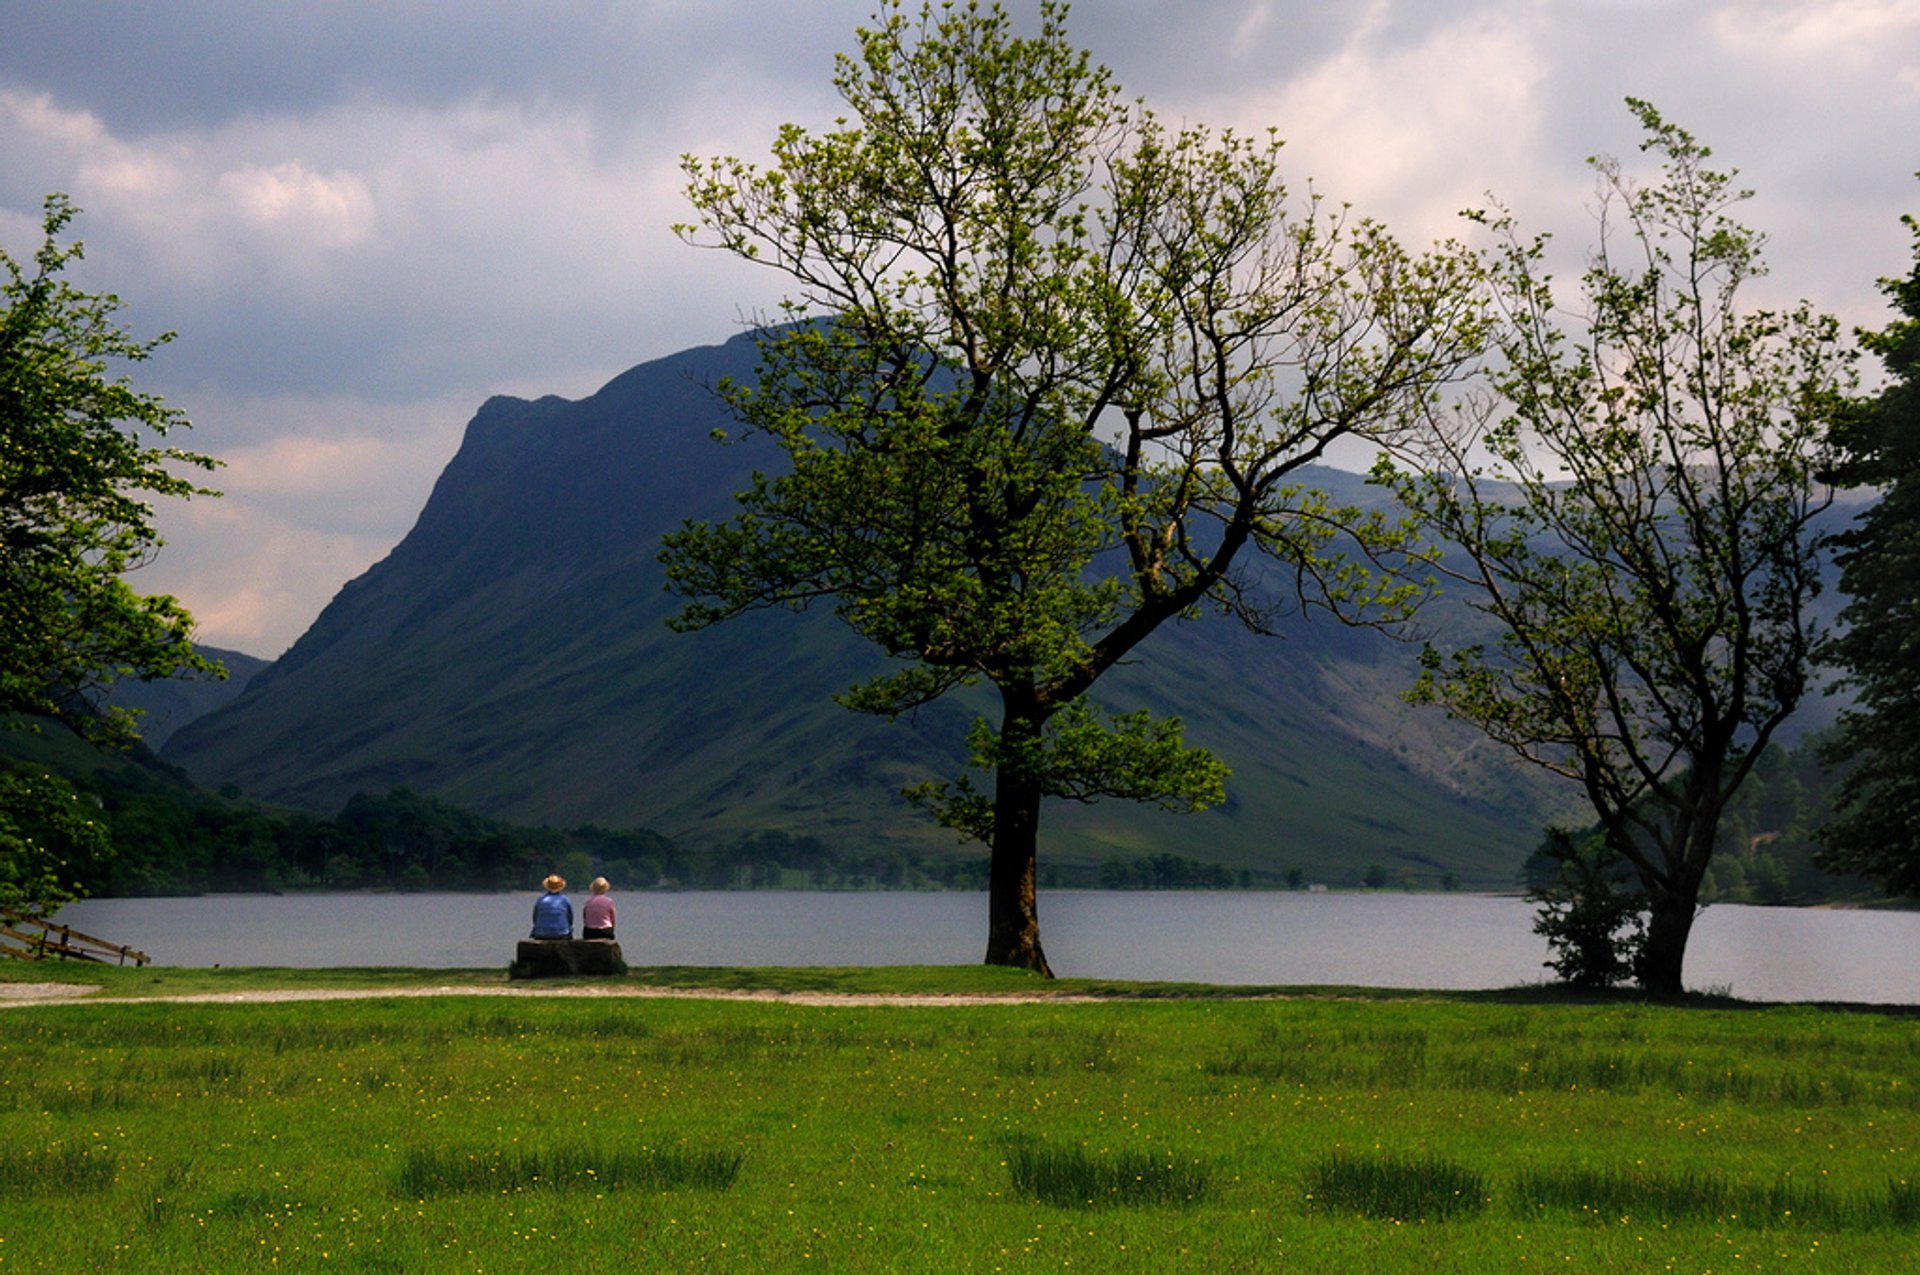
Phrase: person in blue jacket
(553, 911)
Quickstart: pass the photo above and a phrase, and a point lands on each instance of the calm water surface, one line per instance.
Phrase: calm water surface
(1368, 940)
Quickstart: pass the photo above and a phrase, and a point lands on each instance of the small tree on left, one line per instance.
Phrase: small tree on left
(81, 458)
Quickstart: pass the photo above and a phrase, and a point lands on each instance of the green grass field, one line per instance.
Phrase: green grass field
(1305, 1133)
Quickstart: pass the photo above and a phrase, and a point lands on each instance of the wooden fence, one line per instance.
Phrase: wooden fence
(31, 938)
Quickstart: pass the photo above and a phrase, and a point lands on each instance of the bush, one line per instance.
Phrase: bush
(1590, 910)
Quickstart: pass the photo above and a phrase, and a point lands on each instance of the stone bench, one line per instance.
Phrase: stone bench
(566, 958)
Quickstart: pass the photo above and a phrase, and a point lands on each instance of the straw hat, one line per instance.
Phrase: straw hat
(555, 883)
(599, 885)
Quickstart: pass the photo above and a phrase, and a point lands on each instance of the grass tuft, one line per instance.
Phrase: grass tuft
(1708, 1195)
(1613, 1193)
(1072, 1177)
(64, 1170)
(428, 1173)
(1397, 1188)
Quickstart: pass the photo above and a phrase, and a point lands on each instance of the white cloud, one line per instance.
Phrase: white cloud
(36, 116)
(1414, 131)
(1798, 34)
(406, 249)
(315, 491)
(331, 211)
(252, 581)
(1246, 36)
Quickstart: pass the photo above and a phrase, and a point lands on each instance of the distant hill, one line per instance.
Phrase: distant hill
(510, 656)
(170, 703)
(165, 705)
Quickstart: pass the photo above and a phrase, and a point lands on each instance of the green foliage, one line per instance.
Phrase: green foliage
(172, 838)
(1046, 370)
(1590, 910)
(53, 839)
(1633, 508)
(1770, 835)
(77, 472)
(1082, 754)
(1877, 833)
(782, 860)
(1164, 872)
(181, 840)
(1768, 846)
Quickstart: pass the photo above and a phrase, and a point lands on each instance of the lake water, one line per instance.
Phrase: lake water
(1368, 940)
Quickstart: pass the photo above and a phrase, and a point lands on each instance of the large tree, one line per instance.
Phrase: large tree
(1632, 506)
(1045, 375)
(1878, 831)
(80, 459)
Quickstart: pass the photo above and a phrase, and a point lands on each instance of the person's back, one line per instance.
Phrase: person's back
(553, 911)
(596, 914)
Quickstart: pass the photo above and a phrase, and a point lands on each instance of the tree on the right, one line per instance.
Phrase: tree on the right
(1631, 505)
(1877, 831)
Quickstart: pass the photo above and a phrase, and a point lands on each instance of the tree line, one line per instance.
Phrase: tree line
(132, 831)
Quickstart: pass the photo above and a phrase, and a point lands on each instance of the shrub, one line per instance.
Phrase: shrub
(1590, 910)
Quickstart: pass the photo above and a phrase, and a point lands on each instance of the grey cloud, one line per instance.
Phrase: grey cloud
(187, 65)
(375, 206)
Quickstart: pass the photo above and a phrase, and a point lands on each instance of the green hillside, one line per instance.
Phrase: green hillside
(167, 704)
(511, 657)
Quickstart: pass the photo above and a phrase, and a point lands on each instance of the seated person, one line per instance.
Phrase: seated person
(553, 911)
(596, 915)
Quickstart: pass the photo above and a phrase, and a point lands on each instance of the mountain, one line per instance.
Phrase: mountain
(511, 656)
(167, 704)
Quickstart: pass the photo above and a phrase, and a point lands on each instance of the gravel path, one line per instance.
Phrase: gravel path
(15, 995)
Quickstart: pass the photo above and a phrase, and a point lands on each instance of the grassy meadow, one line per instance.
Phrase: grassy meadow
(1302, 1133)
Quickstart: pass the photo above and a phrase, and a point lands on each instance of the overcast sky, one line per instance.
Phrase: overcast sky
(363, 219)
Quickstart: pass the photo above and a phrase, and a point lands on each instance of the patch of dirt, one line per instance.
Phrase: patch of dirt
(24, 992)
(14, 994)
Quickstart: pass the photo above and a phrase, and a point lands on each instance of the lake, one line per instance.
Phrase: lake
(1369, 940)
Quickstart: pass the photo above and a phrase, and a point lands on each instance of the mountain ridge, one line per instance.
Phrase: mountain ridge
(510, 655)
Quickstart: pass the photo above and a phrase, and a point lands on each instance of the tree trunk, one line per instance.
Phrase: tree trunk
(1013, 920)
(1664, 947)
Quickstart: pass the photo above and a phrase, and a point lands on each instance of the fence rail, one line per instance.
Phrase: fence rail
(19, 940)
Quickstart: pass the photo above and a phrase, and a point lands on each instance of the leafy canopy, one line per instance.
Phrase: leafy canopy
(1047, 369)
(79, 465)
(1633, 505)
(1878, 832)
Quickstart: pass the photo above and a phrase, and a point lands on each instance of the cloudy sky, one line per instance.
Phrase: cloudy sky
(363, 219)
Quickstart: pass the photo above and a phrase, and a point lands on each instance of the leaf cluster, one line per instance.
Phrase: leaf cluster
(51, 837)
(81, 459)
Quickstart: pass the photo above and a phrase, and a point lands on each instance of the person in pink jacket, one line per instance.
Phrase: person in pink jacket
(596, 914)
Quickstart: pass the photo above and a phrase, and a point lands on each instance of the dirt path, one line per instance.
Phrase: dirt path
(16, 995)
